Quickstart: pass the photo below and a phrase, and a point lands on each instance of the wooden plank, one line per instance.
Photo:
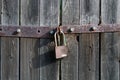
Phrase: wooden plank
(89, 12)
(49, 12)
(49, 67)
(29, 48)
(0, 9)
(69, 65)
(110, 41)
(89, 57)
(110, 56)
(30, 61)
(0, 37)
(89, 43)
(83, 58)
(10, 46)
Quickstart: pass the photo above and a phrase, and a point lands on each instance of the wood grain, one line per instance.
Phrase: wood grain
(89, 57)
(110, 41)
(49, 66)
(29, 48)
(89, 43)
(10, 46)
(0, 37)
(0, 9)
(29, 59)
(83, 58)
(70, 16)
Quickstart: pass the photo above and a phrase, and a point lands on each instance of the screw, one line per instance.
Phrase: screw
(51, 32)
(72, 29)
(18, 30)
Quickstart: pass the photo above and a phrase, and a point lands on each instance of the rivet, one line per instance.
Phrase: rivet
(94, 28)
(51, 32)
(18, 30)
(72, 29)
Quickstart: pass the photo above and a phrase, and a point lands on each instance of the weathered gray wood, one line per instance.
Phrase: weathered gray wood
(49, 66)
(89, 43)
(49, 12)
(70, 12)
(110, 41)
(0, 37)
(69, 65)
(30, 60)
(10, 46)
(29, 48)
(81, 12)
(89, 11)
(89, 57)
(30, 12)
(0, 9)
(110, 56)
(10, 12)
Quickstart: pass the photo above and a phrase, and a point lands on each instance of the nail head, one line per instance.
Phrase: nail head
(52, 32)
(94, 28)
(72, 29)
(18, 30)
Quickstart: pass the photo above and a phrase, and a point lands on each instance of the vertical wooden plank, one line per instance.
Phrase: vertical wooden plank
(30, 12)
(49, 12)
(10, 46)
(29, 69)
(89, 57)
(89, 43)
(10, 12)
(49, 67)
(29, 48)
(69, 65)
(0, 37)
(110, 41)
(0, 9)
(83, 58)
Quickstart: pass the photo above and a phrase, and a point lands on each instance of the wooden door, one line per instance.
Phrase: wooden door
(91, 56)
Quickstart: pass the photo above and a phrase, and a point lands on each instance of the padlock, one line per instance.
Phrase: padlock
(61, 49)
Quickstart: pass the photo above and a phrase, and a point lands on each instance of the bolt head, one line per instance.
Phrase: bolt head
(72, 29)
(94, 28)
(18, 30)
(52, 32)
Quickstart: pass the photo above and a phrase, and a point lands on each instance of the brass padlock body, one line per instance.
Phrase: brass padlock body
(61, 51)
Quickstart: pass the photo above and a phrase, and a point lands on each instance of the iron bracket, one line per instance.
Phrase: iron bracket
(48, 31)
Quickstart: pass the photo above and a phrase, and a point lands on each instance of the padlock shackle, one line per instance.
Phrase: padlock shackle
(61, 33)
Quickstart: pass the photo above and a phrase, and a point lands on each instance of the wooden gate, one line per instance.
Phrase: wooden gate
(91, 56)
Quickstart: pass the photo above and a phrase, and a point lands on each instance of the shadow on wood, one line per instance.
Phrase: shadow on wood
(44, 58)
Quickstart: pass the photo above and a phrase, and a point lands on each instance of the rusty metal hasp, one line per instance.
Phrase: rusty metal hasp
(48, 31)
